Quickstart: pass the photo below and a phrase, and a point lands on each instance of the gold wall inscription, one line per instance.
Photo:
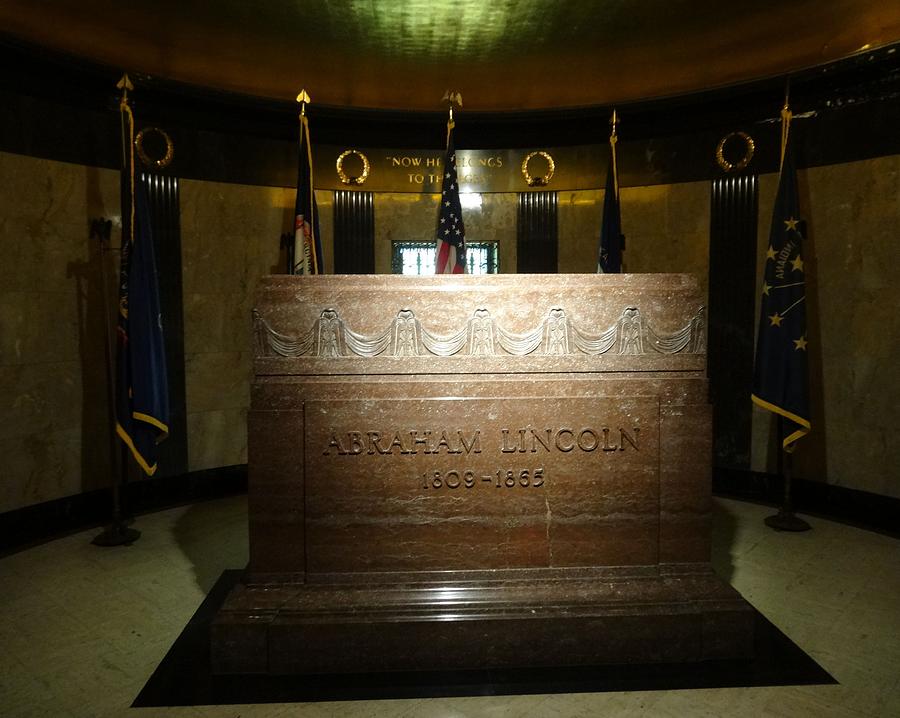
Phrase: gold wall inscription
(402, 170)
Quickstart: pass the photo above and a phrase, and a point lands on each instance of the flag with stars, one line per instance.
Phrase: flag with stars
(780, 380)
(451, 234)
(142, 393)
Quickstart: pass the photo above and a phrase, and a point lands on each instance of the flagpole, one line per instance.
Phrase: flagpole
(306, 230)
(118, 533)
(612, 241)
(613, 140)
(785, 519)
(450, 237)
(304, 99)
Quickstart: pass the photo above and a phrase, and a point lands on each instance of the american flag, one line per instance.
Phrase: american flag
(307, 256)
(451, 233)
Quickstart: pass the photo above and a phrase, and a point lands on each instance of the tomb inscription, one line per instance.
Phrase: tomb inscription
(575, 480)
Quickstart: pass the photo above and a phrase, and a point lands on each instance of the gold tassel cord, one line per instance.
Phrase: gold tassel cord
(786, 116)
(303, 98)
(312, 197)
(613, 139)
(127, 118)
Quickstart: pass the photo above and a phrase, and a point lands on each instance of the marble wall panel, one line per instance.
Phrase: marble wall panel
(43, 397)
(666, 229)
(578, 221)
(852, 255)
(217, 438)
(44, 466)
(230, 236)
(401, 217)
(53, 416)
(218, 380)
(55, 431)
(325, 203)
(494, 221)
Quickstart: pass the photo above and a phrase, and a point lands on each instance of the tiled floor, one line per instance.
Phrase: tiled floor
(82, 628)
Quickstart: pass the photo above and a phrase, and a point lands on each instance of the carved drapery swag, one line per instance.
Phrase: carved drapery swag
(556, 335)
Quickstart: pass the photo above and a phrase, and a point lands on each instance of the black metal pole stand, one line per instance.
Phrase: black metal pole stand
(786, 519)
(118, 532)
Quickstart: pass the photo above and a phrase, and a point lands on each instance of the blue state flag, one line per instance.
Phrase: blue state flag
(142, 392)
(781, 376)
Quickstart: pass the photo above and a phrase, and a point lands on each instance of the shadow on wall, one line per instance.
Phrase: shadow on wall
(724, 528)
(213, 536)
(95, 306)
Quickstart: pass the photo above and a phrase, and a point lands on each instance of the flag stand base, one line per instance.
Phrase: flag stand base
(116, 534)
(787, 521)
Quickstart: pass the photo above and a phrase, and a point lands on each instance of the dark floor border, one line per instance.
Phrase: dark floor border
(34, 524)
(873, 512)
(183, 677)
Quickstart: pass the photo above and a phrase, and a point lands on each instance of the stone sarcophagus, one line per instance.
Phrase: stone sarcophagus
(475, 472)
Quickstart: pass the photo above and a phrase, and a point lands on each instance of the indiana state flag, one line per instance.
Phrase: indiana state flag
(142, 393)
(780, 381)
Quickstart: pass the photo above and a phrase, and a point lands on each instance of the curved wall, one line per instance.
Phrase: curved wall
(56, 166)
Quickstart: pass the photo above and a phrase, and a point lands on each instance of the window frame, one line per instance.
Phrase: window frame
(398, 245)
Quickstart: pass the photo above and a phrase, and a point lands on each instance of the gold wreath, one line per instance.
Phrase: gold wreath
(340, 167)
(744, 161)
(145, 158)
(538, 181)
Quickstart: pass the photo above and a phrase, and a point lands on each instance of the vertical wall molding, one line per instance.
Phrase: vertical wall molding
(354, 232)
(537, 233)
(165, 221)
(734, 211)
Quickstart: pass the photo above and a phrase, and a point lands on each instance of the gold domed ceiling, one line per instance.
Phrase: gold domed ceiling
(500, 54)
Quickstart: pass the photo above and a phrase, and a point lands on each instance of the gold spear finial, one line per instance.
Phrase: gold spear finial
(303, 99)
(614, 122)
(452, 97)
(124, 85)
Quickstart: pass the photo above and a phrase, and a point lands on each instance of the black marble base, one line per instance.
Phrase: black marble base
(184, 677)
(481, 620)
